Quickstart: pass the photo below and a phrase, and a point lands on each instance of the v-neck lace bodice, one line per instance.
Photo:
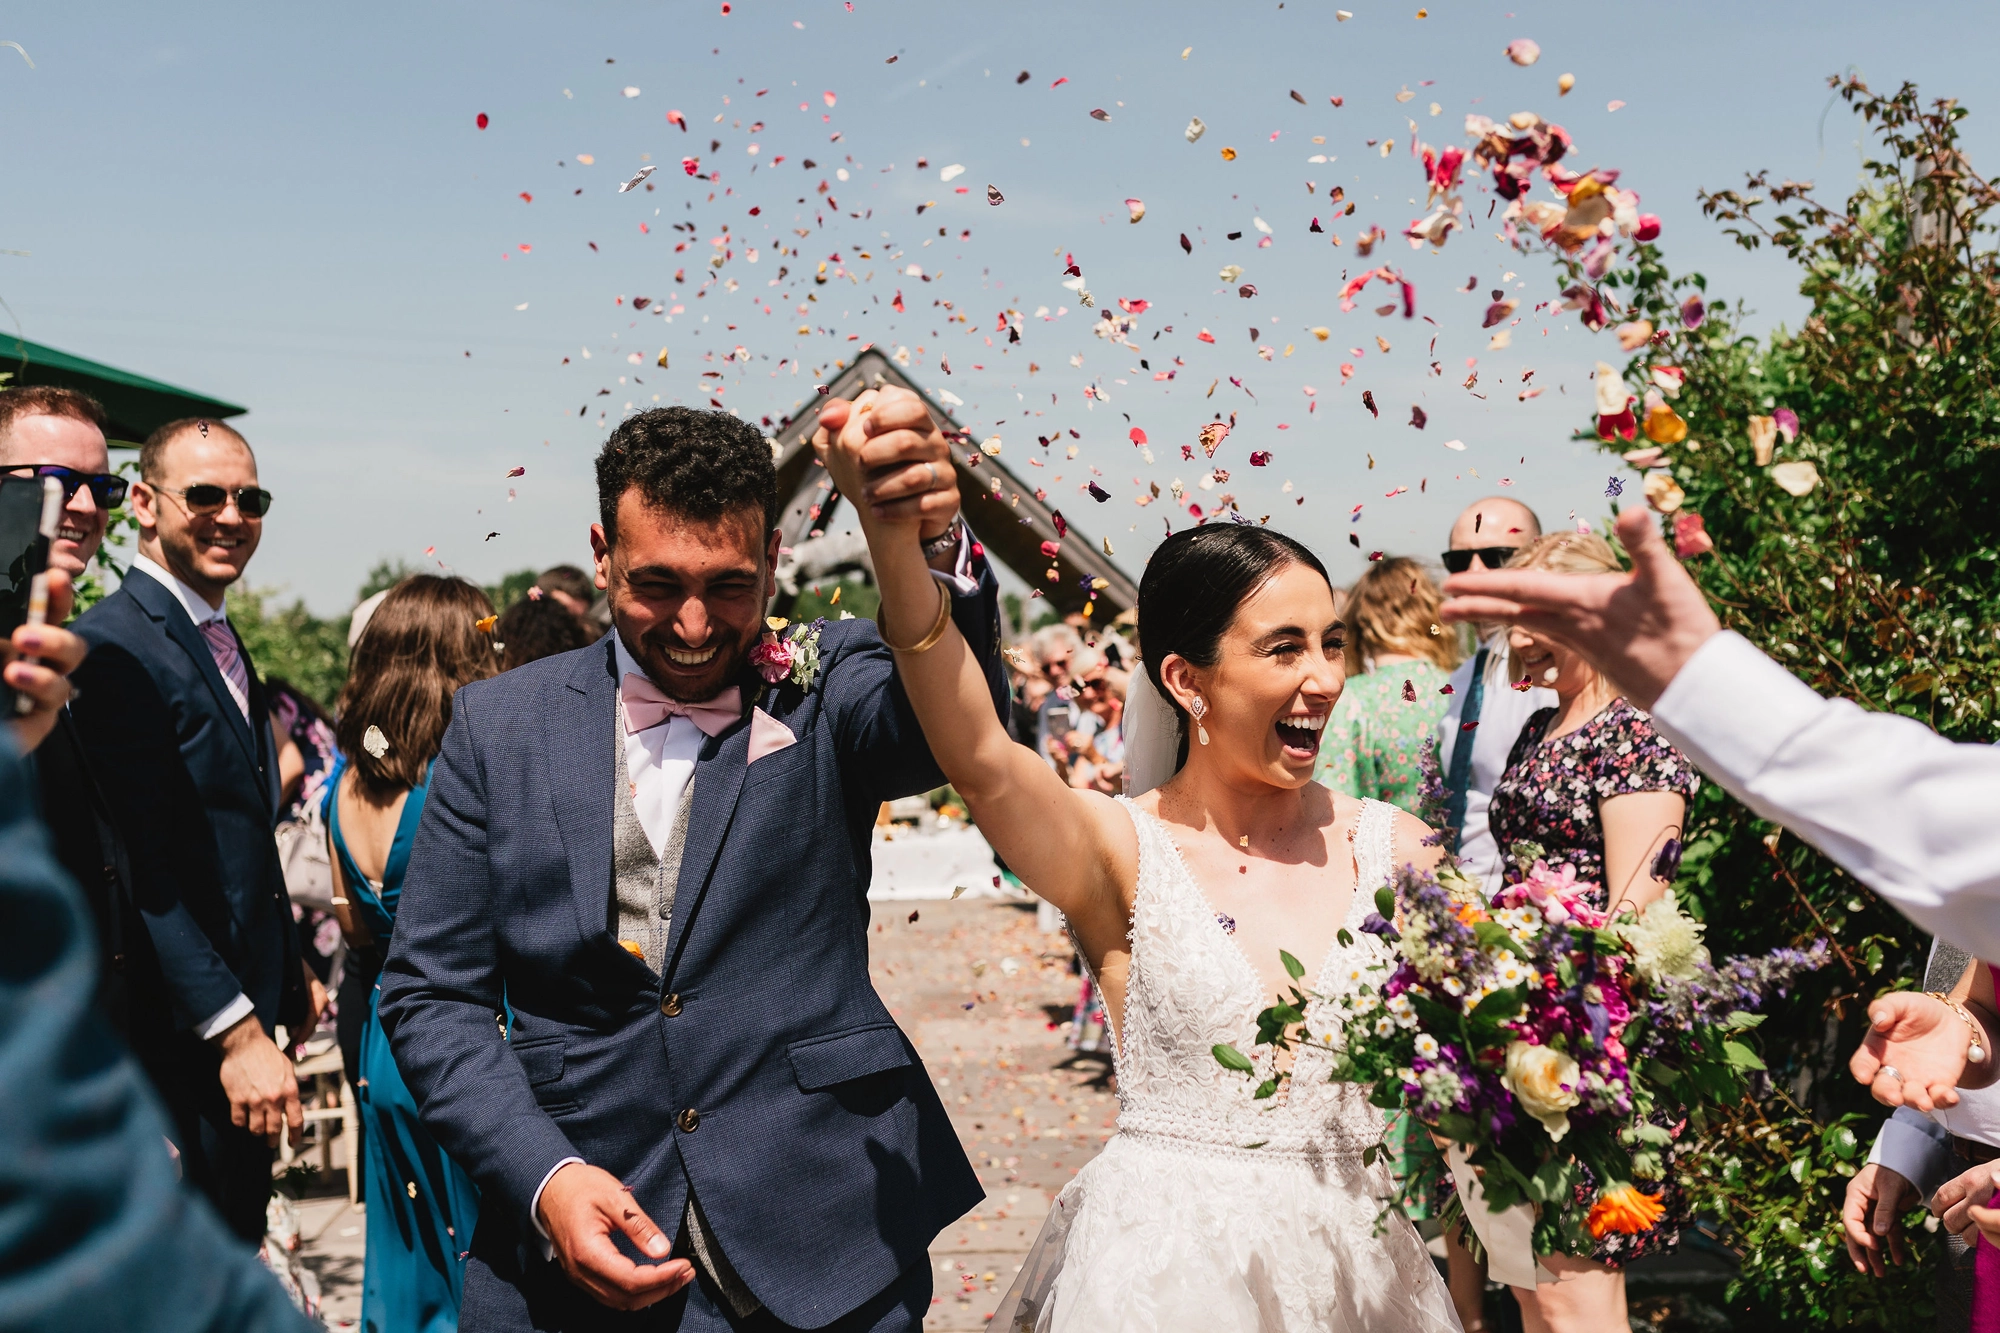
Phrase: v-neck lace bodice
(1211, 1211)
(1190, 988)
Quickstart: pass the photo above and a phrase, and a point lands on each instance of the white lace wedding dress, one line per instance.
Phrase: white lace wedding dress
(1210, 1211)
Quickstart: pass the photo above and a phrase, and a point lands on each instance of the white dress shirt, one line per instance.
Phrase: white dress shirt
(200, 613)
(659, 761)
(1905, 811)
(1503, 711)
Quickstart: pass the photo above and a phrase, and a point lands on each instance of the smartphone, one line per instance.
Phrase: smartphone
(24, 549)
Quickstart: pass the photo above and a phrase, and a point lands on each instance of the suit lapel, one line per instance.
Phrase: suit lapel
(583, 765)
(717, 782)
(166, 608)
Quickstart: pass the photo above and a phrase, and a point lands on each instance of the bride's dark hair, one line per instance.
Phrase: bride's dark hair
(1193, 586)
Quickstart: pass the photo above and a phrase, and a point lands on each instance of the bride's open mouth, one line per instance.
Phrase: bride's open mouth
(1299, 736)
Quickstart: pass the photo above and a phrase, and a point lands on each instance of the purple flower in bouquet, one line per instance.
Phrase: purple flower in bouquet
(773, 657)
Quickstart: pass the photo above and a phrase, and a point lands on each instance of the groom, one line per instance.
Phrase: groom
(629, 978)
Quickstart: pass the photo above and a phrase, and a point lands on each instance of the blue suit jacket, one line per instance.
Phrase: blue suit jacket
(193, 788)
(94, 1230)
(824, 1162)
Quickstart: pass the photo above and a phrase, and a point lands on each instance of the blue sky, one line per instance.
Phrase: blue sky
(294, 209)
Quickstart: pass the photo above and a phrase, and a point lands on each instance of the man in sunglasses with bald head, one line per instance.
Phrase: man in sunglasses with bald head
(175, 725)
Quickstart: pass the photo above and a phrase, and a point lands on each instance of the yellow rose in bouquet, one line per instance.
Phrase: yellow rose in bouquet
(1544, 1081)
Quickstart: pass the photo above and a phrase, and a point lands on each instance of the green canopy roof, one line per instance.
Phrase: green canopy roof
(136, 404)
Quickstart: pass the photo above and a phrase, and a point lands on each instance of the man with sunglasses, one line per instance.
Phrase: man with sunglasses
(175, 724)
(1483, 710)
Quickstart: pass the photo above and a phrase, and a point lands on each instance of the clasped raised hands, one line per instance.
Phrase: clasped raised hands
(889, 459)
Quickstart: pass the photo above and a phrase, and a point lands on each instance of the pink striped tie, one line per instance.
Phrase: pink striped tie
(229, 661)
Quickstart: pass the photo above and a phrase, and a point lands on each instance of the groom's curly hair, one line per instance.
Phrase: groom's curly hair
(685, 461)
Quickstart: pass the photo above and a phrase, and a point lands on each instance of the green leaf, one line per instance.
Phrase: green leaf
(1385, 902)
(1741, 1056)
(1230, 1058)
(1293, 966)
(1501, 1004)
(1493, 935)
(1346, 939)
(1268, 1088)
(1458, 1126)
(1740, 1021)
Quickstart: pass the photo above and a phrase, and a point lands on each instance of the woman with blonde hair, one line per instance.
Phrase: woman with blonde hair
(1594, 787)
(1398, 660)
(423, 643)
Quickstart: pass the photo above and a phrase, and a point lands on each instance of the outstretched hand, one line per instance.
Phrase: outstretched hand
(1638, 628)
(1914, 1053)
(887, 456)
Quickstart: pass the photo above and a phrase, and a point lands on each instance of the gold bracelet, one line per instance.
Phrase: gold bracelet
(1975, 1053)
(929, 641)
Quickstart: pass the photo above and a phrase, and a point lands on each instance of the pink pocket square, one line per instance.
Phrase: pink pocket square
(767, 735)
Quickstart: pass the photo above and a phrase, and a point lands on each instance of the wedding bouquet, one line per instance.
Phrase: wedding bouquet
(1560, 1051)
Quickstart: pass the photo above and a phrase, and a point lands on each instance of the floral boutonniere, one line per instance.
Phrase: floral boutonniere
(788, 653)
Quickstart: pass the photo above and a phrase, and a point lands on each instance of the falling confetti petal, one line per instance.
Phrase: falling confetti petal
(952, 172)
(634, 183)
(1691, 536)
(481, 120)
(994, 197)
(1229, 155)
(1524, 51)
(631, 92)
(1138, 207)
(1798, 476)
(828, 98)
(1613, 105)
(1194, 130)
(517, 472)
(1564, 84)
(1100, 113)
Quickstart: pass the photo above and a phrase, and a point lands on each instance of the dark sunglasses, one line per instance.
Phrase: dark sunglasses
(203, 499)
(1493, 557)
(106, 488)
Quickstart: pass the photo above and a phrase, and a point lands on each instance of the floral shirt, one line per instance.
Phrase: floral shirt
(1551, 789)
(1373, 744)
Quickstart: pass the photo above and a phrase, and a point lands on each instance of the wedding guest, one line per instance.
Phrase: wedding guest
(421, 646)
(1056, 712)
(94, 1231)
(575, 591)
(1919, 1159)
(174, 722)
(538, 627)
(1092, 754)
(1480, 708)
(1903, 810)
(1398, 660)
(1602, 792)
(53, 432)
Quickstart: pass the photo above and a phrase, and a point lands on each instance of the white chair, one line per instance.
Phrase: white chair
(323, 1086)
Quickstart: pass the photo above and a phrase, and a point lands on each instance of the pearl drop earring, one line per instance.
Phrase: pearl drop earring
(1200, 710)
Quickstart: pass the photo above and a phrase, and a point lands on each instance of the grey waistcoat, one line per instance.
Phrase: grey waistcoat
(642, 912)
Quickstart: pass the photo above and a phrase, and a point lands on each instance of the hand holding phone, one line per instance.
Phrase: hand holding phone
(38, 656)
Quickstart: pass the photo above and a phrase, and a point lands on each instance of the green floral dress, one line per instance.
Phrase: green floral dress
(1374, 742)
(1373, 746)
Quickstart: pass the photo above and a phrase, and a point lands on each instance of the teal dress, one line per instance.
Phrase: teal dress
(421, 1204)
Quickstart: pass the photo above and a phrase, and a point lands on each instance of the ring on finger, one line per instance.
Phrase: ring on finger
(1892, 1072)
(931, 468)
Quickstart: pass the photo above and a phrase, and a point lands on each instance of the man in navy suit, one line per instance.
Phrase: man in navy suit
(174, 724)
(629, 981)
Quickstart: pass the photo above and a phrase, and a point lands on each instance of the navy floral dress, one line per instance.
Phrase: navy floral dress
(1551, 789)
(1549, 795)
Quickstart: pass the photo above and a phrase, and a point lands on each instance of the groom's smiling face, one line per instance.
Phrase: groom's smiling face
(687, 595)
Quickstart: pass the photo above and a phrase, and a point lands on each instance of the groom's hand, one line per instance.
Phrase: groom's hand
(884, 451)
(581, 1207)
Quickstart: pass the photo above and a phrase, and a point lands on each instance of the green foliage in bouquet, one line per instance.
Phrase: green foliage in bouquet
(1847, 475)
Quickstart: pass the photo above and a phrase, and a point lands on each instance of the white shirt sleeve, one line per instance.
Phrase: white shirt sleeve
(1905, 811)
(535, 1206)
(225, 1018)
(960, 579)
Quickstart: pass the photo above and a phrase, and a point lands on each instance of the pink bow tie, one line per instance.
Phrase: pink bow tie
(646, 707)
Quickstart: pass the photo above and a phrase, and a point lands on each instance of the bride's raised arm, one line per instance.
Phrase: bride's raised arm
(1072, 847)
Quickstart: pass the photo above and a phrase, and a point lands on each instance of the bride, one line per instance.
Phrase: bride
(1210, 1210)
